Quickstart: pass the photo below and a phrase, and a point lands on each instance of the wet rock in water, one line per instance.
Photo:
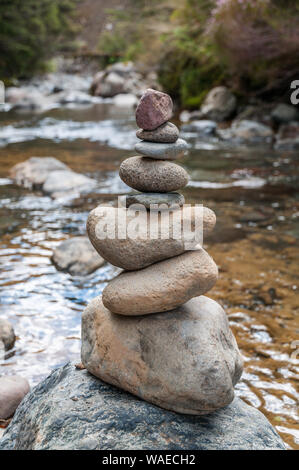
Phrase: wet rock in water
(219, 104)
(201, 127)
(50, 175)
(247, 131)
(153, 110)
(77, 256)
(131, 355)
(13, 388)
(33, 172)
(140, 249)
(288, 137)
(166, 133)
(7, 334)
(60, 182)
(150, 175)
(104, 417)
(162, 151)
(284, 113)
(148, 199)
(121, 78)
(162, 286)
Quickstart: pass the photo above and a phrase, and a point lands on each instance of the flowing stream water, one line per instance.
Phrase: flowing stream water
(254, 193)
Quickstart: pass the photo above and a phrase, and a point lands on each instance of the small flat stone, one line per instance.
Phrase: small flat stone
(148, 199)
(186, 360)
(153, 110)
(132, 250)
(167, 133)
(162, 151)
(161, 286)
(13, 388)
(151, 175)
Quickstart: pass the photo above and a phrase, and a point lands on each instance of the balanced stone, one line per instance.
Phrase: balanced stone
(186, 360)
(136, 250)
(149, 200)
(150, 175)
(154, 109)
(167, 133)
(162, 151)
(161, 286)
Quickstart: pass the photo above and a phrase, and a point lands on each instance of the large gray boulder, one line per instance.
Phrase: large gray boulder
(72, 410)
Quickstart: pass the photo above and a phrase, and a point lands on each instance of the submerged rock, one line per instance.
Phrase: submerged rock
(51, 176)
(60, 182)
(13, 388)
(7, 334)
(33, 172)
(77, 256)
(247, 131)
(72, 410)
(162, 286)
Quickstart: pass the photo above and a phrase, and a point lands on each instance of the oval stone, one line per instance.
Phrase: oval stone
(148, 199)
(167, 133)
(162, 151)
(150, 175)
(186, 360)
(154, 109)
(135, 250)
(161, 286)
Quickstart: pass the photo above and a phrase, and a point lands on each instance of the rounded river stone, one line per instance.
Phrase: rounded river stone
(148, 199)
(138, 249)
(162, 151)
(167, 133)
(150, 175)
(161, 286)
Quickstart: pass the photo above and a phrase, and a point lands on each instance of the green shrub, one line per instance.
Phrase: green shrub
(30, 32)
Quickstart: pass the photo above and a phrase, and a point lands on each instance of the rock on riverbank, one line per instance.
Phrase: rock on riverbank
(71, 409)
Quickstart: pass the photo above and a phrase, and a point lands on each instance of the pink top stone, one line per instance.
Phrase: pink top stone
(154, 109)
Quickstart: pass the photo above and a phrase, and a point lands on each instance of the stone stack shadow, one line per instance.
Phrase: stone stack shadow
(153, 333)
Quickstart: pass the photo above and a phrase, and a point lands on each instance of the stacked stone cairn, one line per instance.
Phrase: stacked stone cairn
(153, 333)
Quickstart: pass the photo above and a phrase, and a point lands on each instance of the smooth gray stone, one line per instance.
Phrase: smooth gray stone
(146, 199)
(167, 133)
(162, 151)
(73, 410)
(7, 334)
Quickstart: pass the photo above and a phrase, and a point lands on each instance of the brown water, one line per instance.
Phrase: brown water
(254, 193)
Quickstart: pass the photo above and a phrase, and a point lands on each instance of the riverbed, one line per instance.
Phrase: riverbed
(254, 193)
